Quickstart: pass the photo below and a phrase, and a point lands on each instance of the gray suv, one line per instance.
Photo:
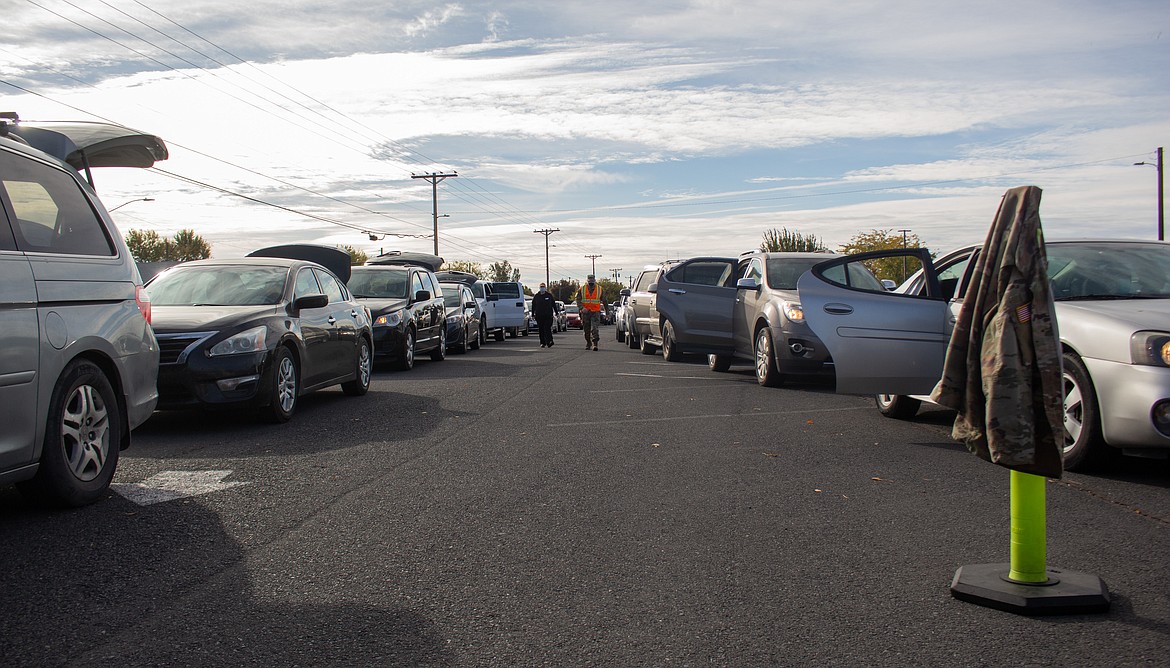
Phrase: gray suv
(78, 359)
(745, 307)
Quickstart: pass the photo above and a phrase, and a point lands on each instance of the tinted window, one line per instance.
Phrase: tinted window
(784, 272)
(854, 275)
(700, 273)
(451, 294)
(379, 283)
(477, 290)
(218, 285)
(53, 215)
(507, 290)
(432, 286)
(1109, 271)
(306, 284)
(416, 284)
(330, 286)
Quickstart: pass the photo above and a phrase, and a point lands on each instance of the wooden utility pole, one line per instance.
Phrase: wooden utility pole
(546, 234)
(434, 178)
(594, 258)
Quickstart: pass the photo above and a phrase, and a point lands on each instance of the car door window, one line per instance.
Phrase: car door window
(853, 275)
(306, 284)
(53, 215)
(330, 286)
(645, 279)
(431, 286)
(700, 272)
(416, 284)
(754, 270)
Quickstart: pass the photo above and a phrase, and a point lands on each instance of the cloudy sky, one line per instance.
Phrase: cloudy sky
(641, 130)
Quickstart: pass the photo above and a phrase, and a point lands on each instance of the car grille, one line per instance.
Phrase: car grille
(173, 348)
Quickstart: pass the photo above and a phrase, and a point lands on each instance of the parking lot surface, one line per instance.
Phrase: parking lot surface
(527, 506)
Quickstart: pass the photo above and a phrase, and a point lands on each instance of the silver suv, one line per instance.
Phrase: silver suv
(78, 359)
(745, 307)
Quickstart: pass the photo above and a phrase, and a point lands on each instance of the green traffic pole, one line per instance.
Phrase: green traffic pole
(1029, 547)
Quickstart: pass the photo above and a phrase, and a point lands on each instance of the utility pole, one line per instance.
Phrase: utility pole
(434, 178)
(904, 243)
(546, 233)
(1161, 204)
(594, 258)
(616, 275)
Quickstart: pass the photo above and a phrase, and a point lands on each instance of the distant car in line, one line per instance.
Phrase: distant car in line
(476, 286)
(573, 317)
(405, 299)
(258, 332)
(463, 316)
(561, 320)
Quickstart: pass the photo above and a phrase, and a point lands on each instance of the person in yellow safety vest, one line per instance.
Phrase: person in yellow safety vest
(589, 303)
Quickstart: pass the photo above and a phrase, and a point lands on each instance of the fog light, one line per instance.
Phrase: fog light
(1161, 417)
(229, 384)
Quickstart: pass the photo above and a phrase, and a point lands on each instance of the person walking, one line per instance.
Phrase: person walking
(544, 310)
(589, 302)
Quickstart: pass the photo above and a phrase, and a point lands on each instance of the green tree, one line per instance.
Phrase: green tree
(896, 269)
(186, 246)
(356, 255)
(783, 240)
(463, 265)
(563, 289)
(146, 245)
(502, 272)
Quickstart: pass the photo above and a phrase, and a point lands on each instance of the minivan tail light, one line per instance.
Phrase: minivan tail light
(143, 300)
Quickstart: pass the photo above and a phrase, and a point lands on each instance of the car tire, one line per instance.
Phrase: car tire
(405, 360)
(365, 365)
(719, 363)
(463, 346)
(647, 348)
(500, 334)
(767, 373)
(440, 352)
(524, 332)
(632, 340)
(285, 389)
(83, 437)
(897, 406)
(670, 351)
(1084, 447)
(474, 345)
(621, 336)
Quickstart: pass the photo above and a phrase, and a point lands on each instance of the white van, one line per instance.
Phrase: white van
(505, 307)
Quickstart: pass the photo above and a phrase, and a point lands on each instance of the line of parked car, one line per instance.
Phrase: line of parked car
(809, 315)
(90, 351)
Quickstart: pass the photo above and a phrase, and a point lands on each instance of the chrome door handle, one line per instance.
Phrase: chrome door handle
(838, 309)
(677, 291)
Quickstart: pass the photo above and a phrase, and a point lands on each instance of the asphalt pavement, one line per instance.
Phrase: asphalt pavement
(519, 506)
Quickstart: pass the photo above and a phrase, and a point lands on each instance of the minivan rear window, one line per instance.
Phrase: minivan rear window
(52, 213)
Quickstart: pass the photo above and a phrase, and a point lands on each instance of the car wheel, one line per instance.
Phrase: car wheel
(767, 373)
(524, 332)
(500, 334)
(719, 363)
(440, 352)
(463, 346)
(286, 385)
(82, 439)
(670, 351)
(1084, 447)
(361, 383)
(647, 348)
(897, 406)
(632, 340)
(406, 351)
(479, 334)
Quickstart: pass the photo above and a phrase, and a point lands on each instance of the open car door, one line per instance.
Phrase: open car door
(881, 342)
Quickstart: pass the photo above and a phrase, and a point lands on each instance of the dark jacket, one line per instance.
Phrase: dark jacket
(543, 306)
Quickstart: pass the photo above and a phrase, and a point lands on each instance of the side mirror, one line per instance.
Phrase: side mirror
(747, 284)
(652, 288)
(625, 292)
(888, 284)
(311, 301)
(470, 304)
(422, 296)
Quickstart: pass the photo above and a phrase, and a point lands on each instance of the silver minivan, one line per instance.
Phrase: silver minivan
(78, 359)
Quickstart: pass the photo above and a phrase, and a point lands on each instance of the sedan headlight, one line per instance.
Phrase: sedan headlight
(794, 312)
(1150, 348)
(391, 319)
(247, 341)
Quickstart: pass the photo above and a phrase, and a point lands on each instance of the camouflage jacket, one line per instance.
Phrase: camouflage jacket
(1002, 371)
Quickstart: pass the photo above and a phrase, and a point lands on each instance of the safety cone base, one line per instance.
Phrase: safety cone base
(1065, 593)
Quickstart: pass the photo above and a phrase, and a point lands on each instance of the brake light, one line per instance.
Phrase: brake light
(143, 300)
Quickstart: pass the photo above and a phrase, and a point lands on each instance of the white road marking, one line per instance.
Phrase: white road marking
(171, 485)
(708, 417)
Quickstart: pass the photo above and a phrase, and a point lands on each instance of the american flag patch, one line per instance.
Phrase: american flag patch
(1024, 313)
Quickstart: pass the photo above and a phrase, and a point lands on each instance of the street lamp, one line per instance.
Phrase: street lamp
(140, 199)
(1161, 206)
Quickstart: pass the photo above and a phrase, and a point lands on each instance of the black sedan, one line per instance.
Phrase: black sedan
(407, 306)
(257, 332)
(463, 318)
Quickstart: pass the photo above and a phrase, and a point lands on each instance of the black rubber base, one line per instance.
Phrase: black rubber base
(1065, 593)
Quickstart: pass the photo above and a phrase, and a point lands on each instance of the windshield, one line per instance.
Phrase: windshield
(783, 271)
(379, 283)
(451, 295)
(218, 285)
(1109, 271)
